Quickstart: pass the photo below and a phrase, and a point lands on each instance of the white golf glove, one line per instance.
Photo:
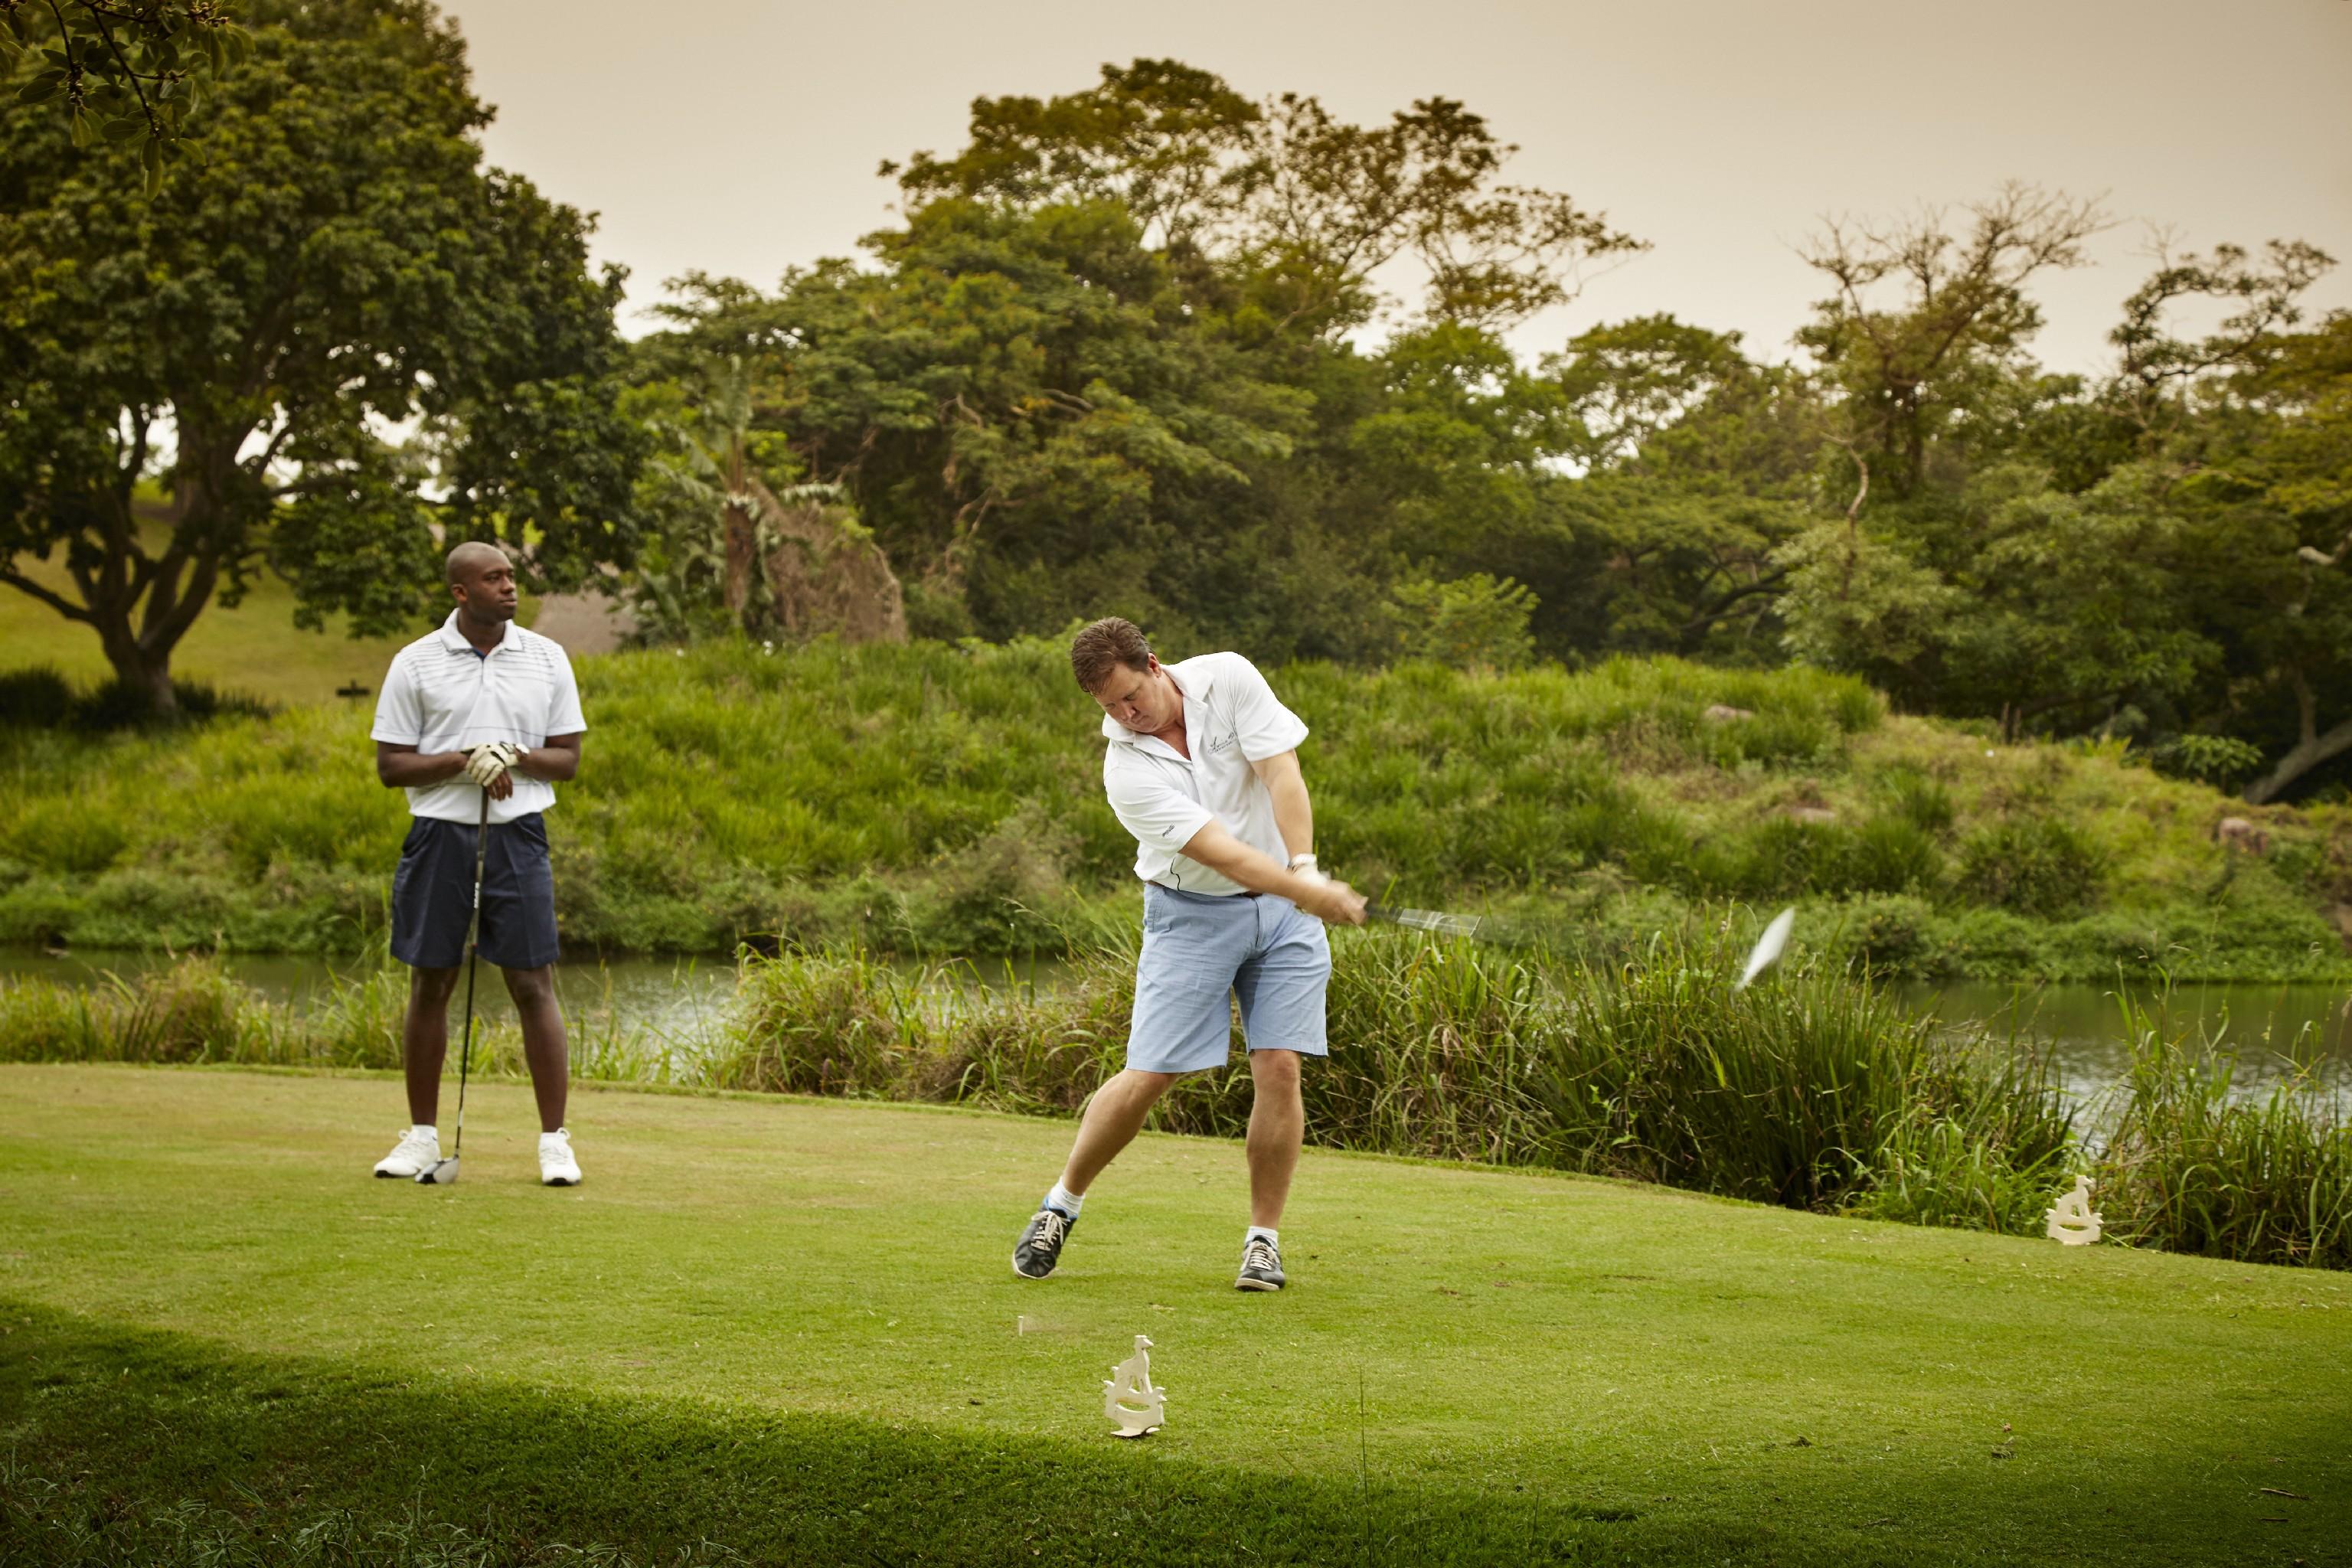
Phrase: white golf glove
(484, 764)
(1304, 865)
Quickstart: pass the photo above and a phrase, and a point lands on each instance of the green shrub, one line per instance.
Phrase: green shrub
(2035, 865)
(1892, 855)
(38, 699)
(2223, 762)
(1889, 933)
(1936, 1171)
(1918, 799)
(1470, 622)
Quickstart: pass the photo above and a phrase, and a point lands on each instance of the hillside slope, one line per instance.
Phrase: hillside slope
(947, 799)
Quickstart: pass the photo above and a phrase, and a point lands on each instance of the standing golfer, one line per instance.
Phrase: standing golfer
(1202, 768)
(482, 705)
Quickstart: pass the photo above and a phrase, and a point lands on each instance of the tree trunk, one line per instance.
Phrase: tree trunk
(141, 670)
(743, 558)
(152, 604)
(2314, 749)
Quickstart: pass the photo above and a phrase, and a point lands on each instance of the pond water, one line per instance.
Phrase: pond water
(2268, 1026)
(680, 1000)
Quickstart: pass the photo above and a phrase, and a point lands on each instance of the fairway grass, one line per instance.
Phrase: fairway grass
(785, 1330)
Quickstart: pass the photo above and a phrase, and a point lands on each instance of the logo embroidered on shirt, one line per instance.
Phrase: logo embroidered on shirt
(1221, 742)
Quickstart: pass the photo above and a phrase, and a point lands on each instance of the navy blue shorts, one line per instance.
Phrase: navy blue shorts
(433, 895)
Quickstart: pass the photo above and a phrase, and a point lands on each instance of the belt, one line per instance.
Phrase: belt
(1244, 893)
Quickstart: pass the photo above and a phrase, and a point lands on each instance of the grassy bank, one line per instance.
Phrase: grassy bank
(946, 800)
(1812, 1090)
(750, 1338)
(250, 648)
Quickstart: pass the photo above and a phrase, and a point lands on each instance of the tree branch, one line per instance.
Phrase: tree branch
(56, 601)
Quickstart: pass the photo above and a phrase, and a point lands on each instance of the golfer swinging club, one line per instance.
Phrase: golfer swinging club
(481, 708)
(1202, 768)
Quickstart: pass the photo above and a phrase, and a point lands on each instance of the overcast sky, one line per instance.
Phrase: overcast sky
(741, 136)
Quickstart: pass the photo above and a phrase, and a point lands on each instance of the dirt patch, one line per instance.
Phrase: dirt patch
(587, 622)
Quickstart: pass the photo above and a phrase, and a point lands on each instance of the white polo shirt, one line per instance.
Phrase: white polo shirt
(442, 696)
(1231, 718)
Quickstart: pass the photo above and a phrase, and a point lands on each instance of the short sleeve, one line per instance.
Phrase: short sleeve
(399, 716)
(1150, 808)
(1263, 725)
(563, 715)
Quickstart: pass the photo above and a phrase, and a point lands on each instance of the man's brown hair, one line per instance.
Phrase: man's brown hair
(1109, 643)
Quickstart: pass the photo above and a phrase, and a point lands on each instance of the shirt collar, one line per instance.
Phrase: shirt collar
(454, 640)
(1194, 684)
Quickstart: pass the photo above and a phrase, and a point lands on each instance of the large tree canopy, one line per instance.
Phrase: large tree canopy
(1106, 363)
(336, 341)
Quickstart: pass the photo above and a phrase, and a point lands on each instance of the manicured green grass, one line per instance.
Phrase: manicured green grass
(785, 1328)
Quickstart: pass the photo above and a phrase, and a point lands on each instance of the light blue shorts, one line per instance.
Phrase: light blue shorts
(1201, 950)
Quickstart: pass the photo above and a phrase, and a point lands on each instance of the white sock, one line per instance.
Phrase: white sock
(427, 1128)
(1062, 1198)
(1258, 1230)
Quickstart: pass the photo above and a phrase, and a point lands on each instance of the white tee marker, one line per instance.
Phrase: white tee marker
(1128, 1398)
(2072, 1219)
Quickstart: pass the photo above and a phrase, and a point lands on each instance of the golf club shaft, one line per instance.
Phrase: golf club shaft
(473, 961)
(1426, 920)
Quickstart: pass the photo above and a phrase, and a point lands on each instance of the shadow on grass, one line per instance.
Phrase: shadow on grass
(132, 1446)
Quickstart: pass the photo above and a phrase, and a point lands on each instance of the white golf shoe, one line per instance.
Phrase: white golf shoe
(419, 1149)
(557, 1168)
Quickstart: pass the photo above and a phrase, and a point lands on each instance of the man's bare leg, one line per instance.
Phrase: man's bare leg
(1277, 1123)
(425, 1040)
(1113, 1117)
(545, 1049)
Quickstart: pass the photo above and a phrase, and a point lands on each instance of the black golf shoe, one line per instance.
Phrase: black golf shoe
(1040, 1246)
(1261, 1266)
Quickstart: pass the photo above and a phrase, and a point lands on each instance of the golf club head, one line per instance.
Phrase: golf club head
(440, 1173)
(1768, 947)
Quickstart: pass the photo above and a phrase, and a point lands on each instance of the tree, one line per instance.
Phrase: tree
(1025, 409)
(2272, 517)
(340, 268)
(1699, 463)
(1292, 210)
(1908, 371)
(122, 69)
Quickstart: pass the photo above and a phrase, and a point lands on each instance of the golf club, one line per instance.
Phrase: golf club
(1484, 928)
(444, 1173)
(1438, 920)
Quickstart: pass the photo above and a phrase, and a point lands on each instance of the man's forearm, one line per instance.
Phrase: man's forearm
(416, 770)
(1216, 848)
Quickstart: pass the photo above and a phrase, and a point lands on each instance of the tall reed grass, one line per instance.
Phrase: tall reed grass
(2193, 1166)
(1815, 1089)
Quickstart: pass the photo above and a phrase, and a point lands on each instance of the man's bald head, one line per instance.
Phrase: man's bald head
(468, 561)
(482, 580)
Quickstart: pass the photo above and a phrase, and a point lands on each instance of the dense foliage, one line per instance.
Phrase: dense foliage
(1237, 369)
(1108, 362)
(336, 338)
